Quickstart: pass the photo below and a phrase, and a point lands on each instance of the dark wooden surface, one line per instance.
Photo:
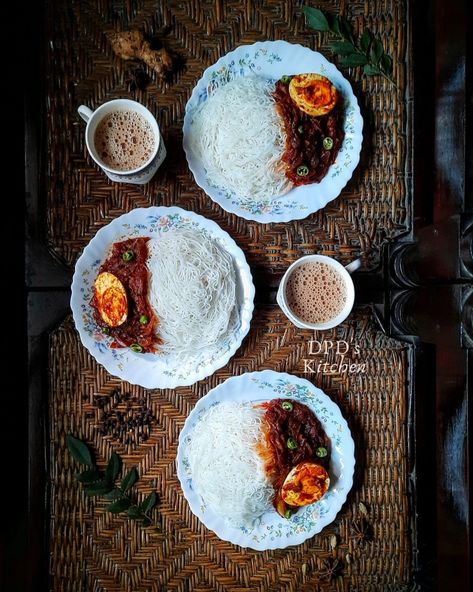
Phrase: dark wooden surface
(431, 281)
(423, 292)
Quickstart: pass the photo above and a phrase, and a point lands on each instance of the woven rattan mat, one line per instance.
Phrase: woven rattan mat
(80, 68)
(93, 550)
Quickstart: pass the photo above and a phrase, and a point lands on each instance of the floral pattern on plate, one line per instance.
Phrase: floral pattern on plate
(154, 370)
(271, 531)
(272, 59)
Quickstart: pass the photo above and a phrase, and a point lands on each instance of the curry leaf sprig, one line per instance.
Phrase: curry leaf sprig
(367, 51)
(103, 483)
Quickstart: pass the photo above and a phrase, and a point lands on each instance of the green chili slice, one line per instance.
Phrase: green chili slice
(328, 143)
(291, 444)
(143, 319)
(128, 256)
(321, 452)
(136, 347)
(302, 170)
(288, 513)
(300, 129)
(285, 79)
(287, 405)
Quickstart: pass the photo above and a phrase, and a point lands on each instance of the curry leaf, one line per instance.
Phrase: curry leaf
(98, 488)
(365, 40)
(114, 494)
(342, 47)
(345, 28)
(370, 70)
(88, 476)
(354, 59)
(120, 505)
(333, 23)
(386, 64)
(79, 450)
(97, 483)
(316, 19)
(149, 502)
(135, 513)
(376, 52)
(129, 480)
(113, 468)
(366, 51)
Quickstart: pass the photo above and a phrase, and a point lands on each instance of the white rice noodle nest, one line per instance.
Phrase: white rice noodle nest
(238, 136)
(193, 293)
(227, 471)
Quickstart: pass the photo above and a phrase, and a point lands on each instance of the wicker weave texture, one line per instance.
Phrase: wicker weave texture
(93, 550)
(81, 69)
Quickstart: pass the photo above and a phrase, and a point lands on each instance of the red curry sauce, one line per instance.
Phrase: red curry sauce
(133, 274)
(305, 136)
(302, 426)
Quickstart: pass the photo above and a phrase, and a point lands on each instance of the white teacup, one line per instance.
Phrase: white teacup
(145, 172)
(344, 272)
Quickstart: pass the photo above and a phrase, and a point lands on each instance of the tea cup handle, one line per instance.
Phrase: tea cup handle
(280, 299)
(85, 112)
(353, 266)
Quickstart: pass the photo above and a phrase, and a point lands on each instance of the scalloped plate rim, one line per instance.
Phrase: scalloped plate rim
(216, 523)
(289, 214)
(103, 239)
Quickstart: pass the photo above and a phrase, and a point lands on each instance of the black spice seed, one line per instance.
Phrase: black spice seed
(129, 422)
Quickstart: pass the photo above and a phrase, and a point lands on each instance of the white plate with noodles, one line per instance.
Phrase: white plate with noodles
(236, 143)
(199, 297)
(224, 478)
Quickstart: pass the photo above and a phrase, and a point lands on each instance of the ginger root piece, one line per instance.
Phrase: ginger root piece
(131, 45)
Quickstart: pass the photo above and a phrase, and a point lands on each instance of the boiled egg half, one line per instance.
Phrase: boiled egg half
(313, 93)
(112, 301)
(305, 484)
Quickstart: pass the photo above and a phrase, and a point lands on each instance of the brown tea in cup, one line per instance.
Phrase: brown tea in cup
(124, 140)
(316, 292)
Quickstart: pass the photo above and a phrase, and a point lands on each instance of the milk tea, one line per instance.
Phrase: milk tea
(316, 292)
(124, 140)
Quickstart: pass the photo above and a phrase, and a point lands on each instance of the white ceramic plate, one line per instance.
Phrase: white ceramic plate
(272, 531)
(154, 370)
(273, 59)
